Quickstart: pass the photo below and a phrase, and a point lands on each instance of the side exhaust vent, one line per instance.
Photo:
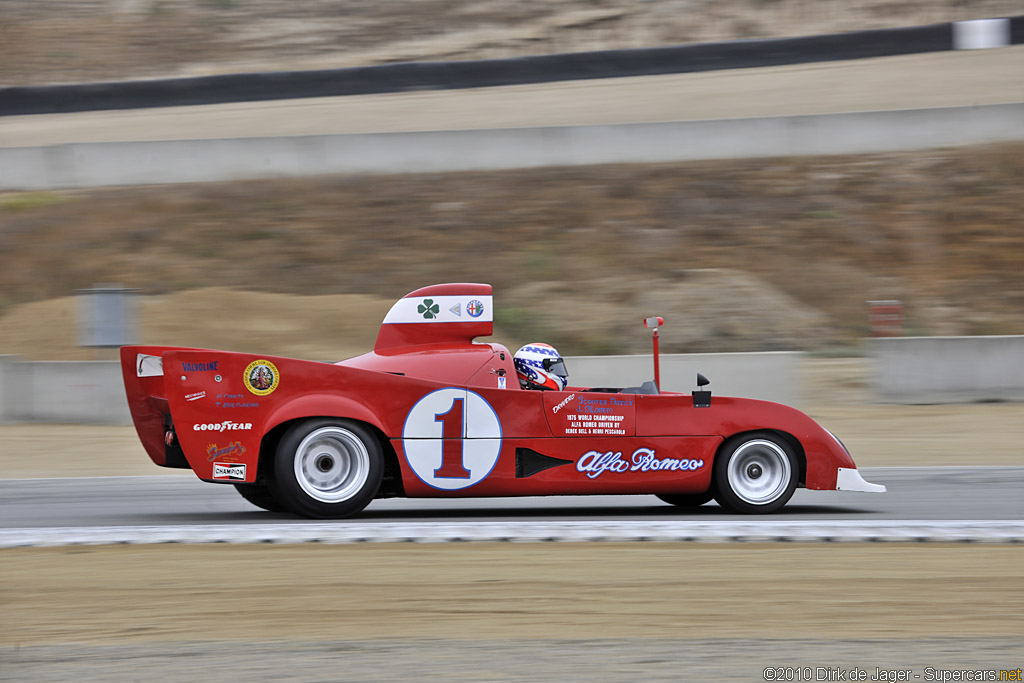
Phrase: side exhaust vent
(529, 462)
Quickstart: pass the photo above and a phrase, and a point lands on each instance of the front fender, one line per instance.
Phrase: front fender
(824, 455)
(728, 417)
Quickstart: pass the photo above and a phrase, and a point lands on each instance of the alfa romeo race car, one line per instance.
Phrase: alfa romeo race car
(431, 413)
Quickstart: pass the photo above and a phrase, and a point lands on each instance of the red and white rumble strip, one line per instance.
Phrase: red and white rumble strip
(941, 531)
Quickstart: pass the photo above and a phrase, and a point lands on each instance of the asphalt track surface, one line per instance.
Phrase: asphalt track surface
(914, 493)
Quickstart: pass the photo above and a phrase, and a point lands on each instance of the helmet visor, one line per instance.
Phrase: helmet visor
(556, 366)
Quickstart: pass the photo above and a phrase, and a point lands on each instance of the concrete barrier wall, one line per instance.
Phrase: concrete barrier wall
(773, 376)
(904, 370)
(7, 384)
(184, 161)
(92, 392)
(948, 369)
(71, 392)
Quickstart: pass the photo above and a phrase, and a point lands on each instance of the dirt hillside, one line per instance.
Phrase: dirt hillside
(737, 255)
(89, 40)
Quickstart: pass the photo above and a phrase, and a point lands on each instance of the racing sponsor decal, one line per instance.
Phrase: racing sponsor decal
(563, 403)
(593, 415)
(428, 309)
(451, 439)
(230, 452)
(232, 401)
(501, 381)
(442, 308)
(586, 425)
(196, 396)
(229, 470)
(261, 377)
(225, 426)
(604, 405)
(596, 463)
(210, 366)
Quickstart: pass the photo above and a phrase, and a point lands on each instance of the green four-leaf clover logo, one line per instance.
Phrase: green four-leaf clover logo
(428, 309)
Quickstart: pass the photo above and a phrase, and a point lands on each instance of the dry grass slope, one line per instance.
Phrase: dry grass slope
(739, 255)
(92, 40)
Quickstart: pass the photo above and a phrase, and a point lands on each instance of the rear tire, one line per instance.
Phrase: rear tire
(328, 468)
(260, 496)
(686, 500)
(755, 473)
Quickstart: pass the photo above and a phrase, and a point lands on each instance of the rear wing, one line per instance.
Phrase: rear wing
(438, 314)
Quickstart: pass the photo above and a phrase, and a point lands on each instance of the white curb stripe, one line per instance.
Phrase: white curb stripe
(976, 531)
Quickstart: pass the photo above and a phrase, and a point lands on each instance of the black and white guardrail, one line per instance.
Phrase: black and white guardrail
(770, 531)
(737, 54)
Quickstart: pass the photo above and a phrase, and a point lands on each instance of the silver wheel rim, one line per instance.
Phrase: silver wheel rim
(759, 472)
(332, 464)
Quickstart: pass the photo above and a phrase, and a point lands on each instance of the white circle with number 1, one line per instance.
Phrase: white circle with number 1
(452, 438)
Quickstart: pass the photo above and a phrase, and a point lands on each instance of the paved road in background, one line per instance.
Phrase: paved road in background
(915, 493)
(941, 79)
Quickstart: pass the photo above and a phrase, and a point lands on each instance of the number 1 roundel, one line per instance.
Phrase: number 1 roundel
(452, 438)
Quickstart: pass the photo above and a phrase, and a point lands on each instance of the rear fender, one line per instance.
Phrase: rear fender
(330, 407)
(323, 405)
(145, 389)
(221, 418)
(318, 406)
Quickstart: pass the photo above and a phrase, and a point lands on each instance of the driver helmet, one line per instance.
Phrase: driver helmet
(539, 366)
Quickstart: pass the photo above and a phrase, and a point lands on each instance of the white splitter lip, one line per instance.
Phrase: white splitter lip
(849, 479)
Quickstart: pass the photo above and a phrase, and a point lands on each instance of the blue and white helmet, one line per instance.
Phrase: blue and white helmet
(539, 366)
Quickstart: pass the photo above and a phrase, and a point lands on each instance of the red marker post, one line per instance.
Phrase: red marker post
(653, 324)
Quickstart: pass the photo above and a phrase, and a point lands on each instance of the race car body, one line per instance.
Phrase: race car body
(431, 413)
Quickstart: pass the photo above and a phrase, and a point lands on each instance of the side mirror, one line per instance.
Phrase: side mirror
(702, 397)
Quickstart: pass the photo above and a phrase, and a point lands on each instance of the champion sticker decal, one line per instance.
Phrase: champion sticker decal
(229, 470)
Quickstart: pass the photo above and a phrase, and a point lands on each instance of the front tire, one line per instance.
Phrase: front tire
(755, 474)
(328, 468)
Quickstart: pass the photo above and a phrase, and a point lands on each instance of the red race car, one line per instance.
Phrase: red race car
(431, 413)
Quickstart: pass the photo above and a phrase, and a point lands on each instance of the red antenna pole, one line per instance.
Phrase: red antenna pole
(654, 323)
